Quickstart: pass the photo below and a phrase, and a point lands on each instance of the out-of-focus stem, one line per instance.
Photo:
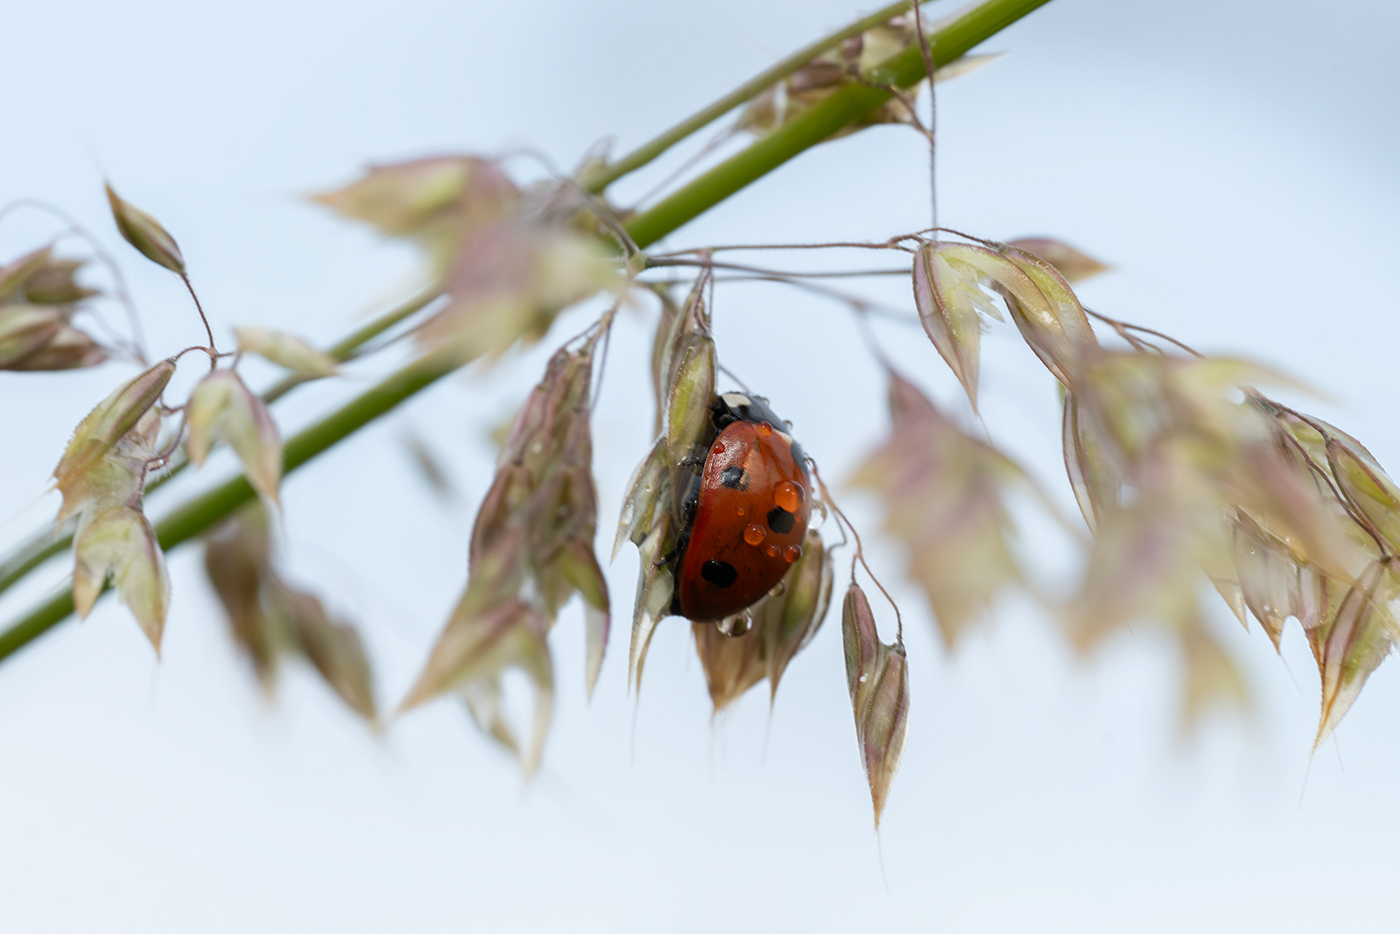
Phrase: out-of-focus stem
(950, 41)
(604, 176)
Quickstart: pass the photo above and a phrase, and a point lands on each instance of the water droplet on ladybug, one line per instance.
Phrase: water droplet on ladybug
(765, 429)
(755, 534)
(735, 625)
(718, 447)
(792, 553)
(742, 510)
(789, 496)
(771, 551)
(778, 589)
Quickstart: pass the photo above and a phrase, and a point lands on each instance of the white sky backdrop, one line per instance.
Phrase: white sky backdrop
(1234, 161)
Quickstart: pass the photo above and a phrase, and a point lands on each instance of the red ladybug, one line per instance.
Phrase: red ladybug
(745, 515)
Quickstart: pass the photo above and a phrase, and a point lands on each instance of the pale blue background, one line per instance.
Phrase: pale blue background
(1234, 161)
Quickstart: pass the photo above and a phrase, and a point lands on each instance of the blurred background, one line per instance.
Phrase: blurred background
(1232, 161)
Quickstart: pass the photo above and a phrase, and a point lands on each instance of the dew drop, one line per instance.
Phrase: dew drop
(778, 589)
(771, 551)
(792, 553)
(755, 534)
(717, 447)
(742, 510)
(765, 429)
(735, 625)
(789, 496)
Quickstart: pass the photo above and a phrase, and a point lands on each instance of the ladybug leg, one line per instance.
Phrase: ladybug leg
(672, 558)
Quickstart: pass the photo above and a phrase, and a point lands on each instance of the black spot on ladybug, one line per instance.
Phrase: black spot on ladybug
(780, 520)
(734, 478)
(719, 573)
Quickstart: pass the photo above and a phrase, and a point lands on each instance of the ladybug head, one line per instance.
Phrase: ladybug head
(730, 407)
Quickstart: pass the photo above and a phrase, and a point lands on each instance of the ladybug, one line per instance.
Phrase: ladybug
(744, 513)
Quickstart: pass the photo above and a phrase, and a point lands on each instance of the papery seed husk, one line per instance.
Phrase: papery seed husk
(334, 649)
(15, 273)
(655, 586)
(732, 663)
(1348, 649)
(1074, 265)
(688, 418)
(236, 560)
(145, 233)
(286, 350)
(67, 349)
(806, 598)
(222, 408)
(110, 420)
(121, 542)
(25, 329)
(860, 642)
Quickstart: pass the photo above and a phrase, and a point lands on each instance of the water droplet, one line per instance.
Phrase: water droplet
(764, 429)
(742, 510)
(789, 496)
(771, 551)
(778, 589)
(735, 625)
(718, 447)
(755, 534)
(862, 679)
(648, 487)
(792, 553)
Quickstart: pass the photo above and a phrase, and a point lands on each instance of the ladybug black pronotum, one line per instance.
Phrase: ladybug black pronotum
(745, 513)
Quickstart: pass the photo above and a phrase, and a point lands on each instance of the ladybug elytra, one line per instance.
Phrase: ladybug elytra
(744, 514)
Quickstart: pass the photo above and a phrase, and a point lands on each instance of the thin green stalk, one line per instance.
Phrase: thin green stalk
(845, 107)
(605, 175)
(56, 540)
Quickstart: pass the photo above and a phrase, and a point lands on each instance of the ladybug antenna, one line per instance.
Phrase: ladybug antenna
(860, 553)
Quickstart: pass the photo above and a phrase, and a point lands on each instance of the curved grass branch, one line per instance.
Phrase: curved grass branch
(601, 178)
(846, 106)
